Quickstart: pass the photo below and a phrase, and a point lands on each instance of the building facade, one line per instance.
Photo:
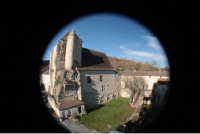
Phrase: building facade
(81, 74)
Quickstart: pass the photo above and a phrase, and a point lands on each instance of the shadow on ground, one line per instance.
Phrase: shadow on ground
(93, 109)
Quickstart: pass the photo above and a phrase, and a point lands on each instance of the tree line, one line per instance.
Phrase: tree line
(125, 64)
(122, 65)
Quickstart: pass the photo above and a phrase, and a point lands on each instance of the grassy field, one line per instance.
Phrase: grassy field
(113, 113)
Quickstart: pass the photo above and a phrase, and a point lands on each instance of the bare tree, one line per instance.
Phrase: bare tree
(135, 84)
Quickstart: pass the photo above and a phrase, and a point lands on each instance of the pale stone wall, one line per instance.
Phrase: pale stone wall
(92, 94)
(149, 79)
(46, 81)
(73, 51)
(147, 93)
(69, 52)
(50, 72)
(125, 92)
(52, 104)
(74, 111)
(78, 50)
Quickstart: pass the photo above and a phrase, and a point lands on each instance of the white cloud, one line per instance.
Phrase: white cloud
(154, 42)
(158, 56)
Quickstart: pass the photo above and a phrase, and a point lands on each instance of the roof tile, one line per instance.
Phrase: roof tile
(68, 103)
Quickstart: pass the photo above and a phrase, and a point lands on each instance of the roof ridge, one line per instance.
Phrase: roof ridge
(93, 50)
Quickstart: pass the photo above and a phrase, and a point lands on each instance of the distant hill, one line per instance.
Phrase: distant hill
(44, 65)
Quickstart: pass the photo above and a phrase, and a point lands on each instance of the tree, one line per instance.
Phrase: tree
(154, 65)
(135, 84)
(146, 67)
(138, 66)
(165, 69)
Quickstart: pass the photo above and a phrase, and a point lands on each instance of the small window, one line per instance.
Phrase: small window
(103, 88)
(79, 110)
(88, 79)
(101, 78)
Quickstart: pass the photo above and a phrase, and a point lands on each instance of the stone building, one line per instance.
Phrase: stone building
(70, 107)
(80, 74)
(151, 78)
(159, 91)
(82, 79)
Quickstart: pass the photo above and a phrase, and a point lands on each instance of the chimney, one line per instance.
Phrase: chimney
(159, 70)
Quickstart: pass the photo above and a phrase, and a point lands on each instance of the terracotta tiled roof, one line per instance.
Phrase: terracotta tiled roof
(162, 79)
(68, 103)
(94, 60)
(145, 73)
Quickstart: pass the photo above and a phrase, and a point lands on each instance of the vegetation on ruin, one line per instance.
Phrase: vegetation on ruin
(112, 113)
(68, 82)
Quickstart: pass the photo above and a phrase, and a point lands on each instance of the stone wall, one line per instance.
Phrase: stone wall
(74, 111)
(73, 52)
(149, 79)
(46, 81)
(92, 93)
(162, 93)
(78, 50)
(60, 61)
(52, 104)
(118, 83)
(67, 85)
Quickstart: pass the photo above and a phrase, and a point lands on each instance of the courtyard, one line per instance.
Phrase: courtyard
(110, 116)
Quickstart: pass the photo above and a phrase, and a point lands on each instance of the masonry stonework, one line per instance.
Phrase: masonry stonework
(98, 92)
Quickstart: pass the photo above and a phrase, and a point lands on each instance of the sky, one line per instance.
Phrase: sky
(117, 36)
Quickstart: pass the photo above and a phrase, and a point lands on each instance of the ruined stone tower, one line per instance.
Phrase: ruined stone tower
(73, 51)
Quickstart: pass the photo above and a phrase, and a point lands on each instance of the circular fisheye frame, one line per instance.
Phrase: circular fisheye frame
(105, 73)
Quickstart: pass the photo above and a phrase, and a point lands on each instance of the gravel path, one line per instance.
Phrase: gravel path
(78, 128)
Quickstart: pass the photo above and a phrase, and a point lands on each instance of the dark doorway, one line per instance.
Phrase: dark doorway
(79, 110)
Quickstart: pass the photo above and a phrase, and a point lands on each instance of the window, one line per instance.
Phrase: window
(63, 114)
(79, 110)
(146, 86)
(163, 89)
(88, 79)
(101, 78)
(103, 88)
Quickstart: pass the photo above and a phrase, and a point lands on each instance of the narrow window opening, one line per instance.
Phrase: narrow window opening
(79, 110)
(88, 79)
(103, 88)
(101, 78)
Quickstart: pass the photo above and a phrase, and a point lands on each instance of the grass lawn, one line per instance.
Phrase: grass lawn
(113, 113)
